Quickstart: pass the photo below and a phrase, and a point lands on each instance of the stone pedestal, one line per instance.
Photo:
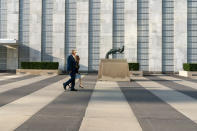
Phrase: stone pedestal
(113, 70)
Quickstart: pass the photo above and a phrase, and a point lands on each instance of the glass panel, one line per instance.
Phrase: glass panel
(3, 33)
(24, 16)
(94, 35)
(143, 34)
(47, 30)
(118, 26)
(70, 25)
(192, 31)
(167, 35)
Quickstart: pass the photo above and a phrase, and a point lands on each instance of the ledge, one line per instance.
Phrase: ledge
(38, 72)
(190, 74)
(136, 73)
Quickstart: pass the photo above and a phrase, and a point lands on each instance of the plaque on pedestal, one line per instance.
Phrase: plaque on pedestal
(113, 70)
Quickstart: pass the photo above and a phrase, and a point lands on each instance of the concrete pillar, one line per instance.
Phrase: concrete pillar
(35, 30)
(12, 58)
(180, 38)
(130, 30)
(106, 16)
(82, 33)
(12, 19)
(58, 32)
(155, 35)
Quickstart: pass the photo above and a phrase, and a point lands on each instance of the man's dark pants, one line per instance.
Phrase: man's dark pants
(71, 80)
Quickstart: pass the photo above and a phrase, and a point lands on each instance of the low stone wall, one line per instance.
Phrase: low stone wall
(38, 72)
(190, 74)
(136, 73)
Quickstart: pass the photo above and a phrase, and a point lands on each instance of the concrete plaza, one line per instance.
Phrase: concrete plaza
(150, 103)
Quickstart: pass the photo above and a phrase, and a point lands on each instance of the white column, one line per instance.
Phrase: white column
(106, 27)
(180, 38)
(58, 32)
(12, 19)
(35, 30)
(82, 33)
(131, 30)
(155, 35)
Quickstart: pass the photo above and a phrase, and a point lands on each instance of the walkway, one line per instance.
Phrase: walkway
(151, 103)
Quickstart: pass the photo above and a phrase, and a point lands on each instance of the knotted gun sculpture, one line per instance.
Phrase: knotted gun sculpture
(114, 51)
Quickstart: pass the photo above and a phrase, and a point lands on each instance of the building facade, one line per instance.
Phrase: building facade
(159, 34)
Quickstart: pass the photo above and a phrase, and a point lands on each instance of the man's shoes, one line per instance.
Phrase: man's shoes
(73, 90)
(64, 87)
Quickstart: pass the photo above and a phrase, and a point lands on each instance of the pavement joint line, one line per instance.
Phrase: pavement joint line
(154, 118)
(7, 74)
(102, 113)
(179, 101)
(4, 74)
(52, 116)
(17, 112)
(181, 82)
(185, 89)
(18, 84)
(185, 78)
(11, 77)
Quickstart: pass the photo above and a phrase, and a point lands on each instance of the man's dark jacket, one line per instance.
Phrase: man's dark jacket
(71, 65)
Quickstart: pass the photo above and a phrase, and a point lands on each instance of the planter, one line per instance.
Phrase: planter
(136, 73)
(190, 74)
(38, 72)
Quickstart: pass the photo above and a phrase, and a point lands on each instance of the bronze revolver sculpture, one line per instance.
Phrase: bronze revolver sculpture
(114, 51)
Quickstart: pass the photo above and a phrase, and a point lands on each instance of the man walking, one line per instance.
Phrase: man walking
(71, 69)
